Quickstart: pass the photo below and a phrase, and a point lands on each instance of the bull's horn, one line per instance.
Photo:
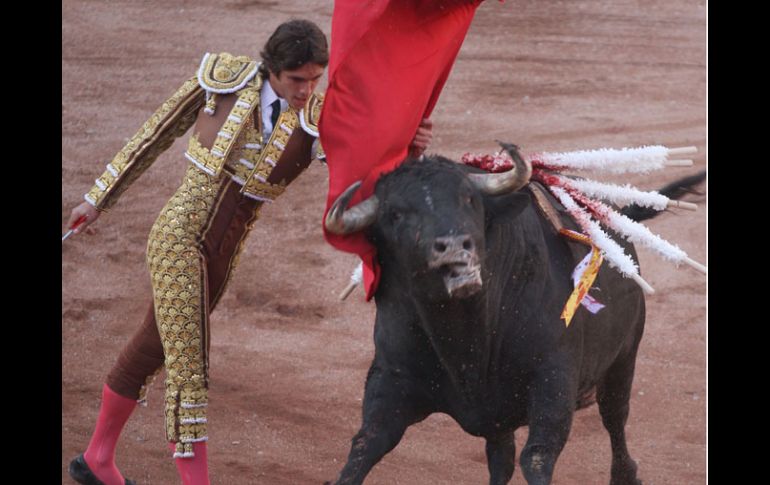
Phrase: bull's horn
(341, 220)
(510, 181)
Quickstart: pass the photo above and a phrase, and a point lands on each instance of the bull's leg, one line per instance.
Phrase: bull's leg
(551, 406)
(501, 458)
(613, 395)
(389, 408)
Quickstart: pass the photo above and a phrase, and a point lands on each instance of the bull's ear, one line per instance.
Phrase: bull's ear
(505, 207)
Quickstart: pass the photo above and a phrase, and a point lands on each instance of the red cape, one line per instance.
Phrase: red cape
(389, 61)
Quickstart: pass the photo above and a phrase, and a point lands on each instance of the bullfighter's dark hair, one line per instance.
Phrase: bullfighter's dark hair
(292, 45)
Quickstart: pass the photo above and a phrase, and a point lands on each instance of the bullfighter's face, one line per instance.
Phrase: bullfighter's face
(296, 85)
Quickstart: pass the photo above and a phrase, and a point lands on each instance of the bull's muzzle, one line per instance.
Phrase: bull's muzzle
(457, 260)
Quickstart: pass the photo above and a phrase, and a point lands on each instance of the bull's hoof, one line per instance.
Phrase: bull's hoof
(625, 475)
(633, 481)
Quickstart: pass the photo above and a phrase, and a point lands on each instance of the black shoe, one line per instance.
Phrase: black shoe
(80, 472)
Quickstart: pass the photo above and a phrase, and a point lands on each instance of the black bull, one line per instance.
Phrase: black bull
(496, 355)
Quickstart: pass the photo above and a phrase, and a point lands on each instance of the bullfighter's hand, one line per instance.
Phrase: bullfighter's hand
(84, 209)
(422, 138)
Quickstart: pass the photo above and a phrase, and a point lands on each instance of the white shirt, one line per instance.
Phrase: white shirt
(266, 98)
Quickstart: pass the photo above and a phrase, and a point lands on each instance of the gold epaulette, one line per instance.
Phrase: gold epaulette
(168, 122)
(311, 113)
(225, 73)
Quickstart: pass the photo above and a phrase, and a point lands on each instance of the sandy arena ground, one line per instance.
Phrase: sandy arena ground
(288, 360)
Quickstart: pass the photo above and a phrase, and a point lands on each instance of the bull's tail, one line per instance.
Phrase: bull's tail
(674, 190)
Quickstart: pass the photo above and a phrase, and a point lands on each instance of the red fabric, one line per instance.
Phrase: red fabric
(389, 61)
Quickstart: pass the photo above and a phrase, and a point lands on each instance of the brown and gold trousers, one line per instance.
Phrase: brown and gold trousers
(192, 250)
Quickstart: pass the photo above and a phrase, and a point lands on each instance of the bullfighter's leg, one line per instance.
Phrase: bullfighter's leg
(390, 406)
(501, 458)
(551, 407)
(613, 395)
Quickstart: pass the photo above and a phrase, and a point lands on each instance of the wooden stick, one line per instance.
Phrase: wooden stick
(645, 286)
(696, 265)
(682, 205)
(682, 150)
(348, 289)
(678, 163)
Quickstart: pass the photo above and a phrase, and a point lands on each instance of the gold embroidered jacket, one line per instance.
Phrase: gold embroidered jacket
(239, 148)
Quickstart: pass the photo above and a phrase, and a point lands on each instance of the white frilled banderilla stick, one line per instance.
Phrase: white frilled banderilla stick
(356, 278)
(633, 231)
(623, 195)
(625, 160)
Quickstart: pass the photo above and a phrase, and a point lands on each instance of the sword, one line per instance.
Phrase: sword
(80, 220)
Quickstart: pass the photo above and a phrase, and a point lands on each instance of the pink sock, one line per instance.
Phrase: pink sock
(195, 470)
(100, 454)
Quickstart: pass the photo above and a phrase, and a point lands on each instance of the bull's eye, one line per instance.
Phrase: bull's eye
(395, 216)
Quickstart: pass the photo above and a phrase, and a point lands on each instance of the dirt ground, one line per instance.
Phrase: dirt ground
(288, 360)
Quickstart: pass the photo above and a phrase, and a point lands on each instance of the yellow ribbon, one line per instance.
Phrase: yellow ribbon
(586, 279)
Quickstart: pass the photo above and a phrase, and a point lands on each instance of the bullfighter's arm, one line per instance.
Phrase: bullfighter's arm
(171, 120)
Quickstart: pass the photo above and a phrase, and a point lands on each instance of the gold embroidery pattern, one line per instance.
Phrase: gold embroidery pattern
(250, 137)
(147, 383)
(257, 185)
(264, 190)
(226, 73)
(248, 100)
(199, 155)
(254, 173)
(170, 121)
(178, 281)
(312, 113)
